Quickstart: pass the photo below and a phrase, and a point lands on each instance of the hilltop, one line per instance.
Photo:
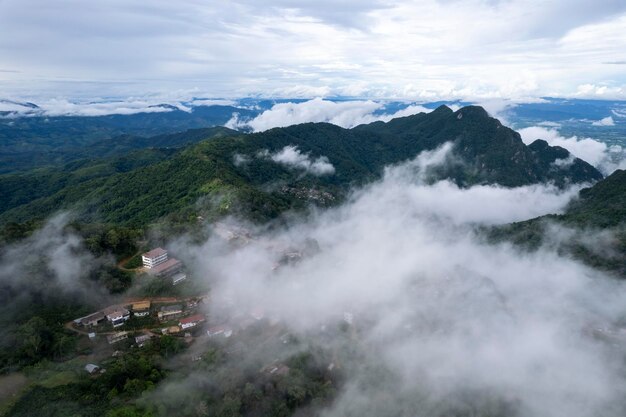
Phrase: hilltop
(238, 173)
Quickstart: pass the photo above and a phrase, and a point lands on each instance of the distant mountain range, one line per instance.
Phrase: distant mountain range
(30, 136)
(34, 142)
(230, 172)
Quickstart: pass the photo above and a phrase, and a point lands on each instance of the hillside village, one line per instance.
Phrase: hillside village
(281, 208)
(134, 323)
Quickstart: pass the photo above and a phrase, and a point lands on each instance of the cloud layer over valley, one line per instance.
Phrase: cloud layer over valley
(343, 113)
(441, 321)
(607, 158)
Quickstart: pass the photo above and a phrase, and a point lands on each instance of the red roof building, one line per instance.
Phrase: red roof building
(191, 321)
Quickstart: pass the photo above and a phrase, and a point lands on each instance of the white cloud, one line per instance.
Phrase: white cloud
(419, 50)
(549, 124)
(442, 318)
(52, 261)
(291, 156)
(565, 162)
(65, 107)
(343, 113)
(212, 102)
(605, 92)
(157, 103)
(607, 121)
(606, 158)
(240, 160)
(62, 107)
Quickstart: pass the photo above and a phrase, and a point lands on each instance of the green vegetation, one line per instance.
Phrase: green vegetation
(595, 227)
(204, 180)
(34, 142)
(96, 165)
(136, 192)
(603, 205)
(38, 334)
(129, 386)
(248, 392)
(134, 262)
(126, 378)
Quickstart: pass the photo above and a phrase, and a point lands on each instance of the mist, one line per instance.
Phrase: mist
(346, 114)
(53, 261)
(440, 321)
(606, 158)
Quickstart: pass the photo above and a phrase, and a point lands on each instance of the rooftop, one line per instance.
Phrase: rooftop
(114, 310)
(91, 368)
(99, 315)
(143, 338)
(141, 305)
(117, 336)
(155, 253)
(170, 263)
(192, 319)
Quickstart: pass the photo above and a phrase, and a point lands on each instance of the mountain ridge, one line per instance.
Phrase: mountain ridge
(206, 171)
(597, 215)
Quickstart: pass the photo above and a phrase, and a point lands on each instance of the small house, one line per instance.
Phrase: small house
(141, 308)
(191, 321)
(170, 312)
(142, 339)
(224, 331)
(275, 369)
(91, 368)
(92, 319)
(117, 337)
(117, 315)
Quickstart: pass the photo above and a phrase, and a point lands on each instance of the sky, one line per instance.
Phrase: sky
(419, 50)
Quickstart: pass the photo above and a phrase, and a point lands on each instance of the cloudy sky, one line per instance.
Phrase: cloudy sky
(426, 49)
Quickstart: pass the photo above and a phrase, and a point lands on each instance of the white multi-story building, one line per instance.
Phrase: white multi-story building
(116, 315)
(154, 257)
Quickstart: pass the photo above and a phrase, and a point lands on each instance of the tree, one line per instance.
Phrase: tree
(230, 407)
(128, 411)
(62, 345)
(35, 338)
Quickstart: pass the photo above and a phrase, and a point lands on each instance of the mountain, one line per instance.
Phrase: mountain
(492, 153)
(594, 227)
(603, 205)
(35, 141)
(117, 155)
(206, 179)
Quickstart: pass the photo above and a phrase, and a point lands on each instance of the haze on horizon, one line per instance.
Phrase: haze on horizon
(417, 50)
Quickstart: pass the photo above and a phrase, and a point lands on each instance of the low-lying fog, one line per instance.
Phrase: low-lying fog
(440, 320)
(453, 321)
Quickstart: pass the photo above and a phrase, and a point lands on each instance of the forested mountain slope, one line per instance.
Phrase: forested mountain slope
(242, 172)
(593, 227)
